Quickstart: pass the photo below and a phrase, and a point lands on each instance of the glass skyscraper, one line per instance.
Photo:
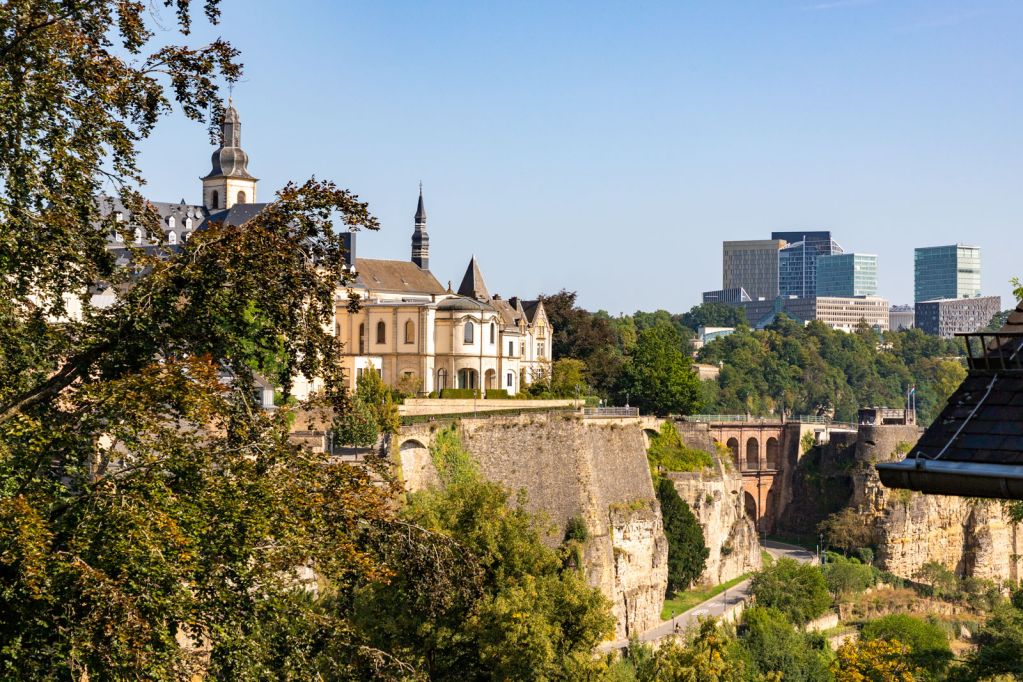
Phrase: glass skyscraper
(943, 272)
(847, 274)
(797, 262)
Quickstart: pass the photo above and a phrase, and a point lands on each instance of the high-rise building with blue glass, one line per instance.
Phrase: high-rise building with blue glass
(946, 272)
(797, 261)
(847, 274)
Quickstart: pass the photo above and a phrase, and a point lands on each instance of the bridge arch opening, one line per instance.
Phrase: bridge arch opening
(773, 451)
(733, 447)
(752, 454)
(648, 437)
(751, 506)
(417, 468)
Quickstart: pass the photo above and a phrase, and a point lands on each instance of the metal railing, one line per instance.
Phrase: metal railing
(994, 351)
(610, 411)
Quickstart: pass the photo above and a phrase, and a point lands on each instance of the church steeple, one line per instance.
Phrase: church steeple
(229, 182)
(420, 239)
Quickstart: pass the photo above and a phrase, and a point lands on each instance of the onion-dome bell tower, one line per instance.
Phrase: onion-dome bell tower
(229, 182)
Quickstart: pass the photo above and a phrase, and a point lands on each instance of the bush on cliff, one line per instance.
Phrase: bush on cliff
(797, 590)
(667, 452)
(687, 550)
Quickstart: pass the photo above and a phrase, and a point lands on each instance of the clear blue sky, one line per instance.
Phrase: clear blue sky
(609, 147)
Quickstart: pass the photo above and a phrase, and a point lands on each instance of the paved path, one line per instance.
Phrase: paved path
(715, 606)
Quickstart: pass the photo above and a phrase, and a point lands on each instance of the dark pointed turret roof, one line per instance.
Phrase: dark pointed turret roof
(472, 284)
(421, 209)
(230, 160)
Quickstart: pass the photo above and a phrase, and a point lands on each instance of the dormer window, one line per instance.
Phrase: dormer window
(172, 238)
(170, 222)
(119, 217)
(117, 237)
(138, 235)
(188, 223)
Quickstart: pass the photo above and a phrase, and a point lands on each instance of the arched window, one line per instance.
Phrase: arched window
(410, 332)
(215, 200)
(172, 238)
(442, 379)
(188, 223)
(381, 332)
(493, 333)
(138, 235)
(241, 197)
(185, 236)
(362, 339)
(118, 237)
(170, 222)
(467, 332)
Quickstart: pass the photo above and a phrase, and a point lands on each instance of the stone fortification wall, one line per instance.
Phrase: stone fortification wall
(972, 537)
(594, 469)
(716, 498)
(429, 406)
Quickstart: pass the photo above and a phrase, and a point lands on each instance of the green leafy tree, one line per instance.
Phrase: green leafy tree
(356, 425)
(687, 549)
(798, 591)
(846, 576)
(875, 660)
(770, 644)
(705, 657)
(941, 581)
(927, 642)
(714, 315)
(503, 607)
(999, 643)
(568, 378)
(661, 375)
(845, 530)
(377, 396)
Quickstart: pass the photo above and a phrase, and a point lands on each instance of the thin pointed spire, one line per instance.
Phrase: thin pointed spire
(420, 238)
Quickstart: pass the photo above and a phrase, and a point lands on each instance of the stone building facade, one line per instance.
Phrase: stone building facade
(410, 327)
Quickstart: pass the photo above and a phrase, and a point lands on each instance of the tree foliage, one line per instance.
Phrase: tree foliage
(876, 660)
(687, 549)
(770, 644)
(704, 657)
(796, 590)
(927, 642)
(660, 375)
(505, 609)
(819, 371)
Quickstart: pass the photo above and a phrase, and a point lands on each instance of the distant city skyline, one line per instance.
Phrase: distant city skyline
(614, 147)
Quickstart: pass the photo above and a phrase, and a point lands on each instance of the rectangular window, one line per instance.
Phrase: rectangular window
(539, 350)
(511, 349)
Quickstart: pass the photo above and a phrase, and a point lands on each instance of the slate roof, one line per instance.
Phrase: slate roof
(472, 284)
(511, 313)
(983, 421)
(395, 276)
(463, 303)
(531, 308)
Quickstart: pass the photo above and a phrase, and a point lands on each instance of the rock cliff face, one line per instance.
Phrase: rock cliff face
(596, 470)
(716, 498)
(972, 537)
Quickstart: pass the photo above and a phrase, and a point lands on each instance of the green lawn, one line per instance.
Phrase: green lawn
(681, 603)
(766, 559)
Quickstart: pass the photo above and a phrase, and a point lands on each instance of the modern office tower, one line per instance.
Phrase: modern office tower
(797, 262)
(945, 272)
(751, 265)
(950, 316)
(847, 274)
(901, 317)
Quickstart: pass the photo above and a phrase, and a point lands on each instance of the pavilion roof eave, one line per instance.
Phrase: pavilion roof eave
(963, 479)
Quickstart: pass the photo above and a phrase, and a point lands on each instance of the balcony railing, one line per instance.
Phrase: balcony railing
(994, 351)
(610, 411)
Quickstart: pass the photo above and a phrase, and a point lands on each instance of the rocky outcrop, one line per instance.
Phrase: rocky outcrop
(571, 467)
(716, 498)
(972, 537)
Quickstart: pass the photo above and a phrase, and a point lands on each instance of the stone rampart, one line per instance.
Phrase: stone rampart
(593, 469)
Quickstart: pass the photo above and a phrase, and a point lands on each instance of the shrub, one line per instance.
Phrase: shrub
(459, 393)
(667, 452)
(576, 529)
(848, 575)
(497, 394)
(927, 642)
(772, 645)
(846, 530)
(797, 590)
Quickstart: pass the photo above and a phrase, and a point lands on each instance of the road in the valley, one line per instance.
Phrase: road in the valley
(715, 606)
